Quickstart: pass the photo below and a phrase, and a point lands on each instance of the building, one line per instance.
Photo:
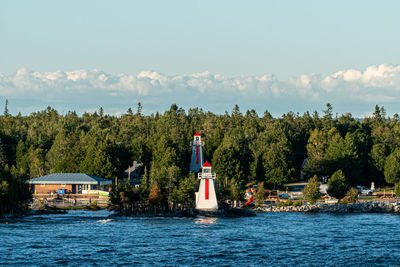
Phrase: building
(68, 183)
(206, 199)
(134, 173)
(197, 153)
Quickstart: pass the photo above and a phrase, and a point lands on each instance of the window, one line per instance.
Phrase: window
(197, 138)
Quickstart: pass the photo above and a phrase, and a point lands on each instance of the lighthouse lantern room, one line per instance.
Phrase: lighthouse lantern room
(206, 198)
(197, 153)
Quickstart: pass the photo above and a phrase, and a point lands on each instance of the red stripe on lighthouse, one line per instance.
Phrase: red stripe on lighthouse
(207, 190)
(197, 155)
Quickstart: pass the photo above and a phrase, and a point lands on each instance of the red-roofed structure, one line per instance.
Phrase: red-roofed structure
(206, 164)
(197, 134)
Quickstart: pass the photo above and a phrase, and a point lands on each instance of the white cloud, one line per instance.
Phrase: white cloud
(374, 85)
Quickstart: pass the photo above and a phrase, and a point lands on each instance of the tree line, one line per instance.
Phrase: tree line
(244, 148)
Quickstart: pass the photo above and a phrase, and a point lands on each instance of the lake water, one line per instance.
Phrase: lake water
(82, 238)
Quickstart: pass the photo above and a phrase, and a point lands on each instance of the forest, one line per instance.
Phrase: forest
(244, 148)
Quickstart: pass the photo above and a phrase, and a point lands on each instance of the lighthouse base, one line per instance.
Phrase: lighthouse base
(206, 198)
(207, 209)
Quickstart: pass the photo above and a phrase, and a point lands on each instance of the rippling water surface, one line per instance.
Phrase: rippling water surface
(85, 238)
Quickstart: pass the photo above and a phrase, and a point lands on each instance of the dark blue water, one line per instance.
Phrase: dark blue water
(82, 238)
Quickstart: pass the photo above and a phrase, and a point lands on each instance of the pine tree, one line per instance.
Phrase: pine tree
(337, 185)
(6, 109)
(139, 109)
(311, 191)
(392, 167)
(259, 196)
(155, 196)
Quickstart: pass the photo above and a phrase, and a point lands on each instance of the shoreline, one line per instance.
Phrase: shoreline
(362, 207)
(190, 213)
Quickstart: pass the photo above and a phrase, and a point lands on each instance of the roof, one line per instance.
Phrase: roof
(206, 164)
(297, 184)
(197, 134)
(69, 178)
(134, 166)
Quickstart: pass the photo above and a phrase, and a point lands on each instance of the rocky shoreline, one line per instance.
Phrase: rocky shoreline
(365, 207)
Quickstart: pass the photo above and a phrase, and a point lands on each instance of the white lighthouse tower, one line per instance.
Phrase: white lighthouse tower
(197, 154)
(206, 199)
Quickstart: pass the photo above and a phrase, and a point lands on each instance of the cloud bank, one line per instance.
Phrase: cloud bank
(84, 90)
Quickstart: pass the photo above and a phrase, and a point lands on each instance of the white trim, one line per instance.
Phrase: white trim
(69, 182)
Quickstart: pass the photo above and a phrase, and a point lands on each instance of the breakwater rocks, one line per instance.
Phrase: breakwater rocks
(227, 212)
(366, 207)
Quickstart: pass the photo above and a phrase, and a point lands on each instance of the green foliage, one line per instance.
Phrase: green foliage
(297, 203)
(241, 146)
(329, 151)
(392, 168)
(14, 191)
(397, 189)
(259, 195)
(351, 196)
(236, 191)
(6, 109)
(311, 191)
(286, 203)
(337, 185)
(185, 193)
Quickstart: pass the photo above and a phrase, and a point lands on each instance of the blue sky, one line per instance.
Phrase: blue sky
(240, 41)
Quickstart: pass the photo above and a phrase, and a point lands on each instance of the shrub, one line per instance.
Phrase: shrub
(94, 206)
(288, 202)
(337, 185)
(397, 190)
(297, 203)
(311, 190)
(351, 196)
(259, 194)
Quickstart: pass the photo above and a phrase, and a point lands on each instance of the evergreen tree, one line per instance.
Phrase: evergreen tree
(328, 112)
(392, 167)
(139, 109)
(397, 190)
(311, 191)
(6, 109)
(337, 185)
(155, 196)
(185, 192)
(351, 196)
(259, 195)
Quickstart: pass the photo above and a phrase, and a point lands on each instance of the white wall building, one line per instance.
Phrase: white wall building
(206, 198)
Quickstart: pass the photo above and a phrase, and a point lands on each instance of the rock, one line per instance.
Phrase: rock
(366, 207)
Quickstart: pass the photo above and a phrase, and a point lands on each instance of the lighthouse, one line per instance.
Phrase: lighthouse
(197, 153)
(206, 199)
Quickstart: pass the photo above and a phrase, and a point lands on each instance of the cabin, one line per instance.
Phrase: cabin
(68, 183)
(134, 173)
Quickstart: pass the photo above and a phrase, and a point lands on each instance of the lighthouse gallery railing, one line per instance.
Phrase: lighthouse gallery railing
(206, 175)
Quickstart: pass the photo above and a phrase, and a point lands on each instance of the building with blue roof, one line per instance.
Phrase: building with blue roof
(68, 183)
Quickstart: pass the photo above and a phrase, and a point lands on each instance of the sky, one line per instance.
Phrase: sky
(279, 56)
